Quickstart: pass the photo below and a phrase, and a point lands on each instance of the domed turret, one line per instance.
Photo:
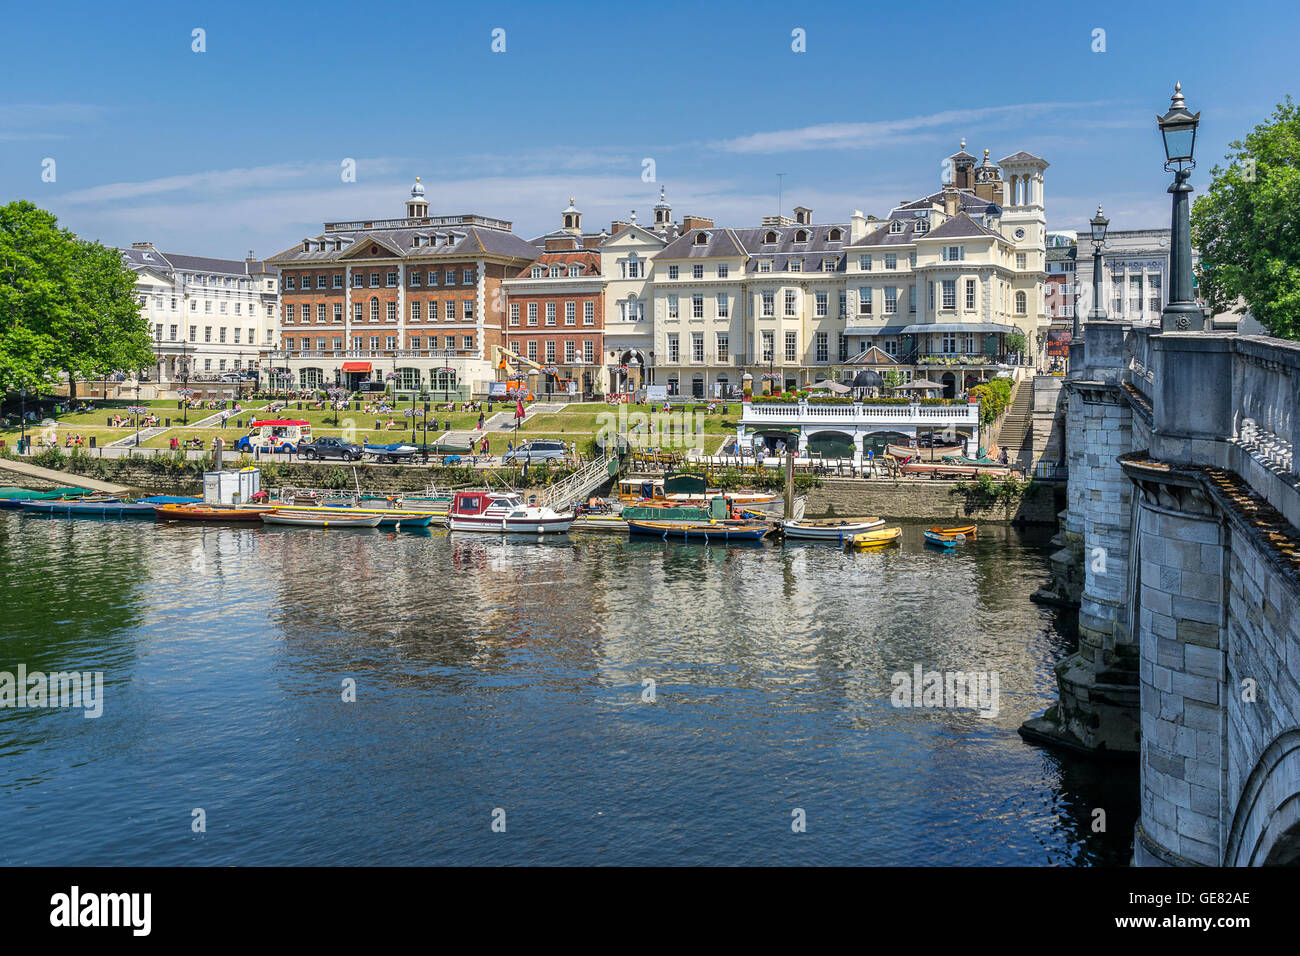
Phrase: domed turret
(572, 219)
(416, 206)
(663, 212)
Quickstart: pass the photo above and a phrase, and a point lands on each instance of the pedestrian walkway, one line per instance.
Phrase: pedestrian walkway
(60, 479)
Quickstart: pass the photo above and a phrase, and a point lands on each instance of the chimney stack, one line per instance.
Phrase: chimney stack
(857, 225)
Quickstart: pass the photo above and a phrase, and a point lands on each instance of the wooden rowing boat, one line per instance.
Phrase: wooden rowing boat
(711, 532)
(826, 530)
(297, 519)
(879, 538)
(205, 513)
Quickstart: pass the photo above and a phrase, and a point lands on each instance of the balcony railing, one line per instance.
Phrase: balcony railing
(816, 413)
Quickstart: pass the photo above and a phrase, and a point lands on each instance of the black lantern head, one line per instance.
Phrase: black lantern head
(1099, 224)
(1178, 127)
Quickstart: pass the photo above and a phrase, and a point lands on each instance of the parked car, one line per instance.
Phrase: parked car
(231, 377)
(330, 447)
(535, 451)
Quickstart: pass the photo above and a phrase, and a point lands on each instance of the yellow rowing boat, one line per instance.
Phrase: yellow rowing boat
(879, 538)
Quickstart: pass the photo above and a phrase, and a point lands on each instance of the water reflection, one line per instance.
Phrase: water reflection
(493, 672)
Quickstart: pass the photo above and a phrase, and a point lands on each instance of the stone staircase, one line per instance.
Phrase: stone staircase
(1017, 428)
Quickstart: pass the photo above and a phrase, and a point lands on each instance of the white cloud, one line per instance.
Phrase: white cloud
(882, 132)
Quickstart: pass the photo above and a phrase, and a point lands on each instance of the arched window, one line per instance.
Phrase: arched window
(769, 238)
(835, 235)
(1021, 303)
(701, 238)
(801, 236)
(374, 309)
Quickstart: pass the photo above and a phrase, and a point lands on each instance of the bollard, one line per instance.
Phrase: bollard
(109, 421)
(168, 421)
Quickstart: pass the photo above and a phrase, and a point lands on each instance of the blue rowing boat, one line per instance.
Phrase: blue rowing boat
(89, 509)
(942, 540)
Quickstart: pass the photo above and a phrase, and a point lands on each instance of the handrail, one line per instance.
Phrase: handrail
(577, 484)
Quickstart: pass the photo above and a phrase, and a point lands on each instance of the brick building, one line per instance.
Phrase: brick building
(556, 311)
(418, 297)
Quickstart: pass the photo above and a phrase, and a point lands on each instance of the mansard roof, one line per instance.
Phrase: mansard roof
(171, 262)
(962, 226)
(466, 241)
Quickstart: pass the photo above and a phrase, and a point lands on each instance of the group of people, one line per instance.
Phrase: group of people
(73, 441)
(189, 443)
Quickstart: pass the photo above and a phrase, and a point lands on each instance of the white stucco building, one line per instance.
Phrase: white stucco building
(214, 317)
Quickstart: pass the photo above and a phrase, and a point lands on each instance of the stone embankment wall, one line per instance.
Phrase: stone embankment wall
(929, 499)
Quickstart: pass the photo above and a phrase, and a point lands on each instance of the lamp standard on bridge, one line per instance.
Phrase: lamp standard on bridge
(1097, 312)
(1178, 129)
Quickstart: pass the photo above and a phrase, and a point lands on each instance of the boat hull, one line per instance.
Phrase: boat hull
(320, 521)
(557, 525)
(941, 540)
(89, 509)
(705, 533)
(880, 538)
(813, 532)
(184, 513)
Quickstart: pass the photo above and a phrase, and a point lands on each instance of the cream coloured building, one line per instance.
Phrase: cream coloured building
(941, 286)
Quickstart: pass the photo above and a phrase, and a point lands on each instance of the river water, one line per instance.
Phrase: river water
(505, 685)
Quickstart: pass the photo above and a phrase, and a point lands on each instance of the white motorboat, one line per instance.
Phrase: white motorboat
(503, 512)
(829, 530)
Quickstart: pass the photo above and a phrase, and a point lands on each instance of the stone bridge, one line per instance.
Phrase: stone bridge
(1180, 547)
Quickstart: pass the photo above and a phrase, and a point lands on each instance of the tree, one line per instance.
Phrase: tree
(67, 305)
(1247, 227)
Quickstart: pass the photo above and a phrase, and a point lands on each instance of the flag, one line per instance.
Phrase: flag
(519, 408)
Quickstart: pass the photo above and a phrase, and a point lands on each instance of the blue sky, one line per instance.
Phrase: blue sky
(240, 147)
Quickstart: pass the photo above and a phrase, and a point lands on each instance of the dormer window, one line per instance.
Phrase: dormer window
(795, 265)
(537, 272)
(835, 235)
(769, 238)
(555, 272)
(306, 245)
(896, 226)
(575, 271)
(801, 235)
(701, 238)
(922, 226)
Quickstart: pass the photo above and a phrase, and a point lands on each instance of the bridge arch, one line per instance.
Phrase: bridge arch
(1265, 828)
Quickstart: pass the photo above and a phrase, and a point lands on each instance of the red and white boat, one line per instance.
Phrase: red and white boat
(503, 512)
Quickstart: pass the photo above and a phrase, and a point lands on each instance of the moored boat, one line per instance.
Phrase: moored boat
(967, 530)
(196, 512)
(942, 540)
(503, 512)
(828, 530)
(298, 519)
(879, 538)
(111, 508)
(706, 532)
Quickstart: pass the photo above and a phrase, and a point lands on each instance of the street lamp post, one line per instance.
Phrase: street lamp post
(1178, 129)
(22, 424)
(1099, 224)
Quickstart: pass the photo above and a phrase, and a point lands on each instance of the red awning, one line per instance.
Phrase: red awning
(356, 366)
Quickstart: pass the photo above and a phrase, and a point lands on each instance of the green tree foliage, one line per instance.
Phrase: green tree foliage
(994, 397)
(67, 305)
(1247, 227)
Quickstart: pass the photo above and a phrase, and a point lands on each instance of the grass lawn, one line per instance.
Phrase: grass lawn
(593, 418)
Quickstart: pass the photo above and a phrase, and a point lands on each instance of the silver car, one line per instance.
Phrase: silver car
(535, 451)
